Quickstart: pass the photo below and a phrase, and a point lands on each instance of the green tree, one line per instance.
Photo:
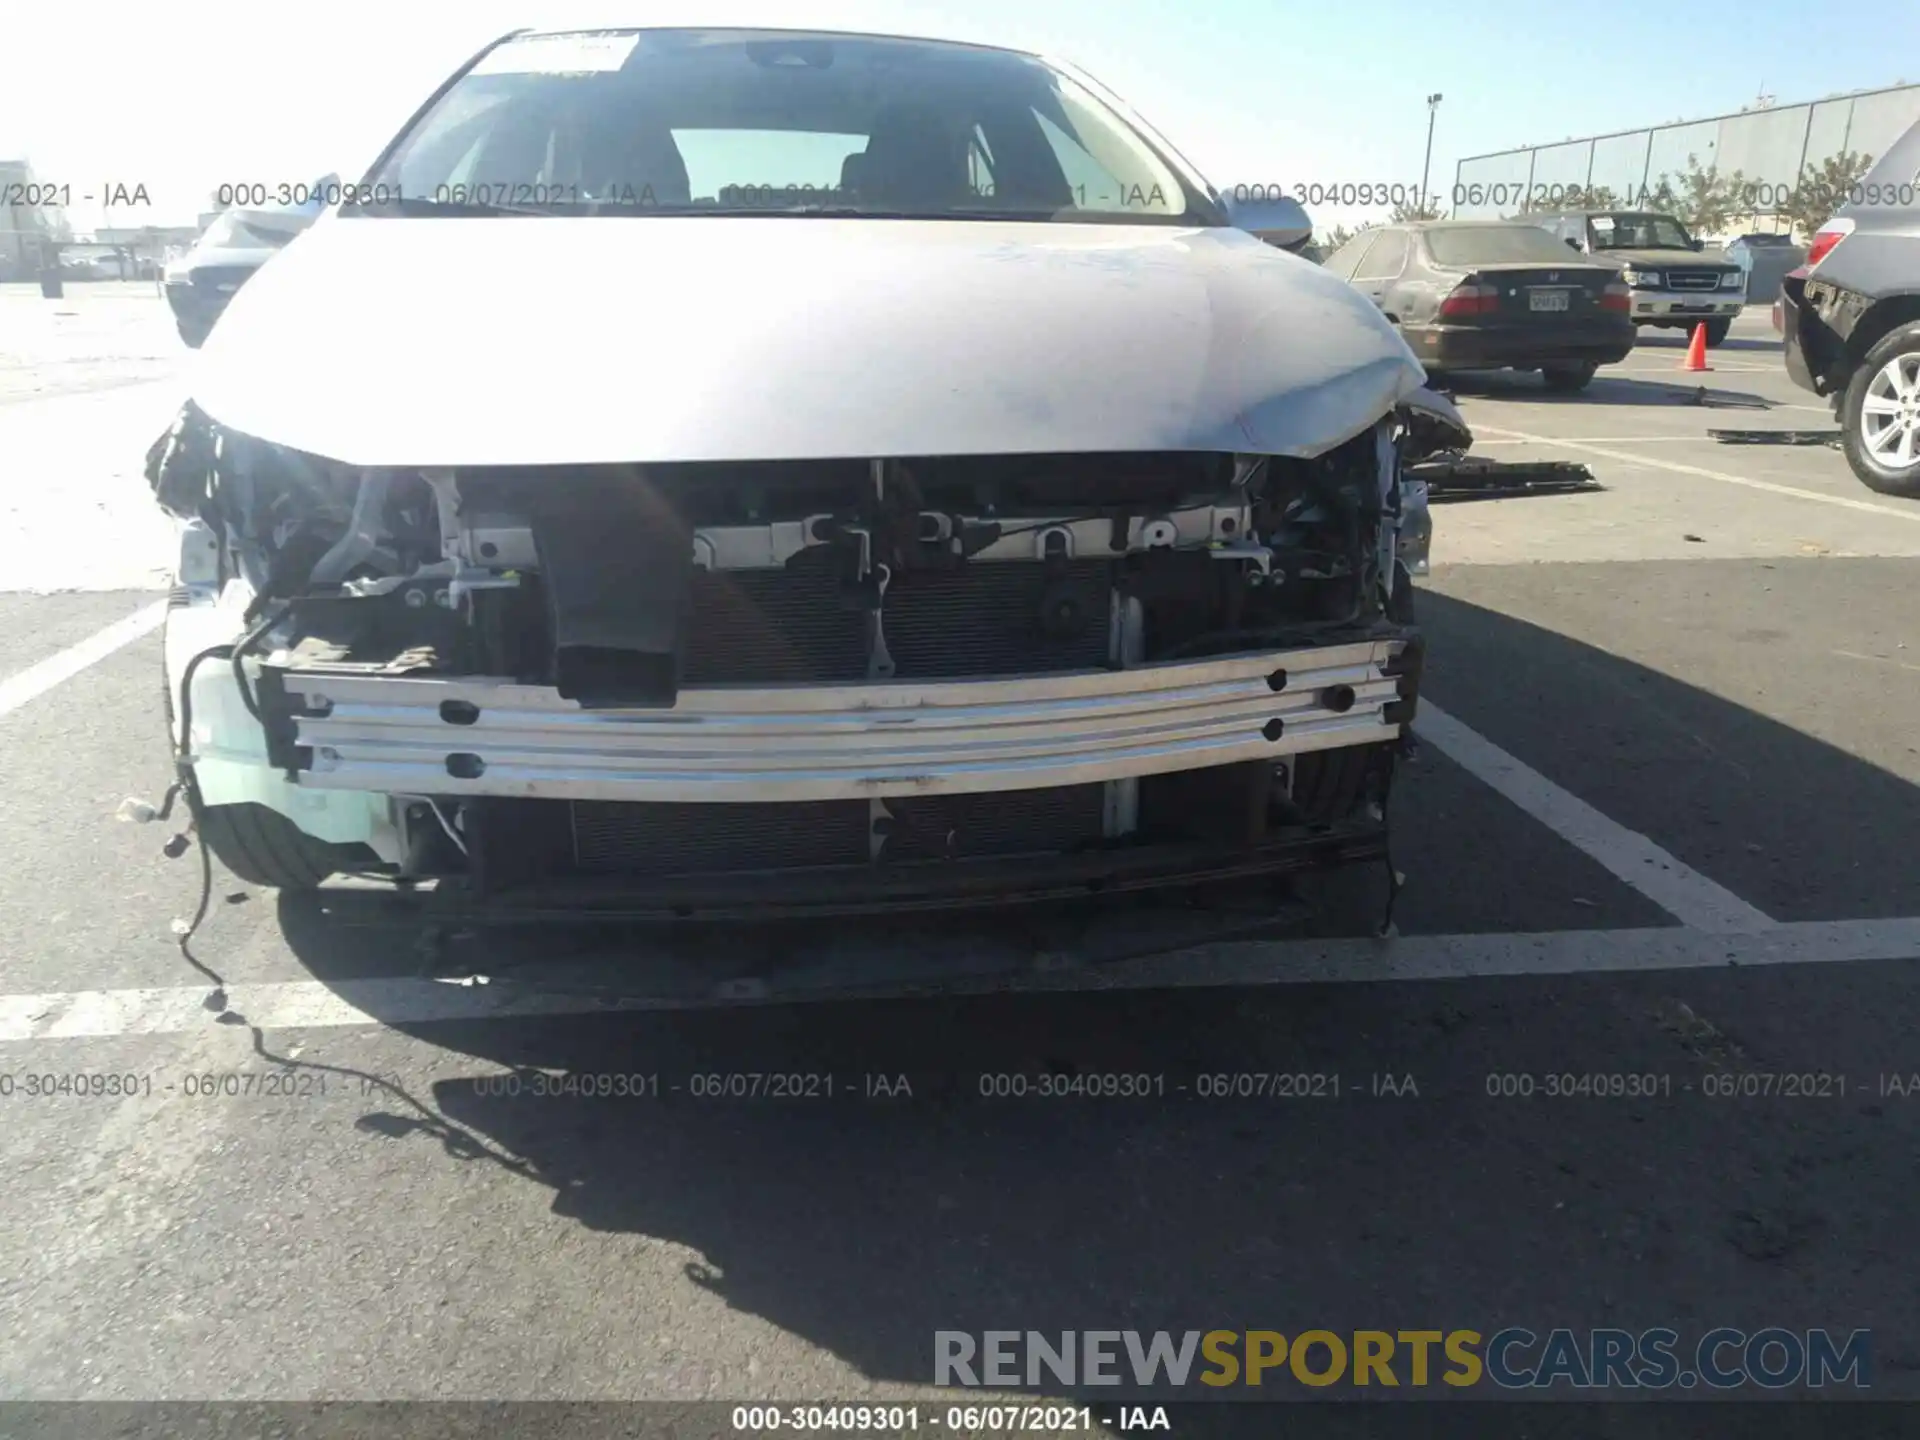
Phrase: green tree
(1823, 189)
(1661, 197)
(1704, 200)
(1413, 209)
(1340, 235)
(1737, 197)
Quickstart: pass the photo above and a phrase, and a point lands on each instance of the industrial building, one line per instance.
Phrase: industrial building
(23, 227)
(1770, 146)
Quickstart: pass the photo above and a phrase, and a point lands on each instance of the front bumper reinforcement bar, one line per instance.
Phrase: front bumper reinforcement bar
(347, 729)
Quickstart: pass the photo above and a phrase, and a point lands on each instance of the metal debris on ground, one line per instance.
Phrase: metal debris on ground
(1469, 478)
(1724, 399)
(1777, 437)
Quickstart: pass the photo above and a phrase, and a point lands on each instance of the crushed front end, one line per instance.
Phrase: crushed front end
(800, 686)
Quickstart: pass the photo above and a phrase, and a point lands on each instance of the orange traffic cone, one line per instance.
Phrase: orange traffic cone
(1697, 349)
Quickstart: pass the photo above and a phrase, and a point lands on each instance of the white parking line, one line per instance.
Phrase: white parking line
(37, 679)
(309, 1004)
(1679, 369)
(1479, 443)
(1683, 892)
(1878, 660)
(1746, 481)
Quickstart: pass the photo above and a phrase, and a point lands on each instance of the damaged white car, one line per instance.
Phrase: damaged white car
(714, 471)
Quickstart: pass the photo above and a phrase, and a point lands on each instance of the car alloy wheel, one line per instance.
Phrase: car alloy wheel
(1890, 413)
(1879, 414)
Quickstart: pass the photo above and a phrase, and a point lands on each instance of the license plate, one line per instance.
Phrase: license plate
(1546, 299)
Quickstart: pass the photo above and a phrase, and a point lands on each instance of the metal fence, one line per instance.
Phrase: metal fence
(1771, 148)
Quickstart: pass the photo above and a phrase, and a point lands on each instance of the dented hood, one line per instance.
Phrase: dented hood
(546, 340)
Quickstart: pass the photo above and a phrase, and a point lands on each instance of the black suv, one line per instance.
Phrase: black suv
(1851, 320)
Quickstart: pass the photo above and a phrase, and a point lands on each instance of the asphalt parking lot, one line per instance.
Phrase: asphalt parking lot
(1662, 823)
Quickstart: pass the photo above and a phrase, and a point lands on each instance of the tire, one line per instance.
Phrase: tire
(1717, 332)
(263, 847)
(1566, 379)
(1897, 352)
(260, 845)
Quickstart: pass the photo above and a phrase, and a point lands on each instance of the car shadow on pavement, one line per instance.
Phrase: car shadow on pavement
(1680, 339)
(973, 1164)
(1606, 390)
(1804, 829)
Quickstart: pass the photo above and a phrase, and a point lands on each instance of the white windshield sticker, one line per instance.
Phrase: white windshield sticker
(558, 55)
(1603, 222)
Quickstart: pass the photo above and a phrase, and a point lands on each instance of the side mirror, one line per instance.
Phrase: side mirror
(1262, 210)
(1699, 244)
(1572, 244)
(321, 193)
(274, 228)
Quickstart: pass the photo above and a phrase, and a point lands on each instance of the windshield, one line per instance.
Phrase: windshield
(1495, 244)
(1639, 232)
(736, 122)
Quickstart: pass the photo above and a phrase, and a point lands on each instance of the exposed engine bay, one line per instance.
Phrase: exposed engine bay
(786, 681)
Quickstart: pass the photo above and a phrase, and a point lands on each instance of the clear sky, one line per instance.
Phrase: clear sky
(184, 96)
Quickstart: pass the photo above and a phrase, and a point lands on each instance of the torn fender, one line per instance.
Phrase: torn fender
(1435, 426)
(1431, 427)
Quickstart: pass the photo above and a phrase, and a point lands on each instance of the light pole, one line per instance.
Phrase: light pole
(1433, 110)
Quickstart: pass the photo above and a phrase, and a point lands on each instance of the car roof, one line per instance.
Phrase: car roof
(781, 31)
(1603, 210)
(1524, 222)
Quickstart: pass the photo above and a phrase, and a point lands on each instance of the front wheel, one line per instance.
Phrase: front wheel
(1566, 379)
(1880, 414)
(1717, 332)
(263, 847)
